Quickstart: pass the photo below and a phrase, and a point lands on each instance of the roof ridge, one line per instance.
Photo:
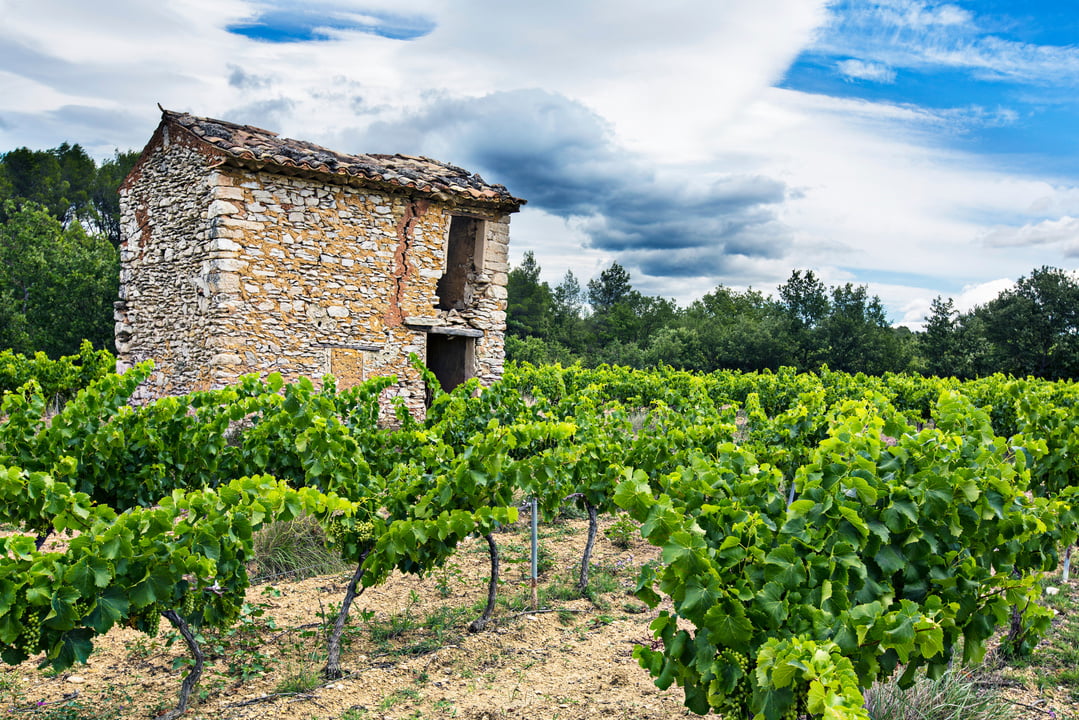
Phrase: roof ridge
(247, 143)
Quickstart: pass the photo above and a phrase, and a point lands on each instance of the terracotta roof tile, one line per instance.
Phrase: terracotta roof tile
(244, 142)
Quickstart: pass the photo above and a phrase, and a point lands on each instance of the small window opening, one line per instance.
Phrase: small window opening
(464, 254)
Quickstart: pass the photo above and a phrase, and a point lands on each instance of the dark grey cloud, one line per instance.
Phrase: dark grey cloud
(270, 113)
(562, 158)
(133, 80)
(243, 80)
(100, 131)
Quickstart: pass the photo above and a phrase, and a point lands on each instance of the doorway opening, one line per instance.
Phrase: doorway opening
(451, 358)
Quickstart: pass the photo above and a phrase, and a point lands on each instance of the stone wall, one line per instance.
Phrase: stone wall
(168, 298)
(228, 271)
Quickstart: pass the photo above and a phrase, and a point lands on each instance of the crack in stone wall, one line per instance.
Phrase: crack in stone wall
(405, 228)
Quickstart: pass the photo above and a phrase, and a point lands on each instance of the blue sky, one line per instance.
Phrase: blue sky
(922, 148)
(1012, 66)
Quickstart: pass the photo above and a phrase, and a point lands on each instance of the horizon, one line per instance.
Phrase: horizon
(919, 148)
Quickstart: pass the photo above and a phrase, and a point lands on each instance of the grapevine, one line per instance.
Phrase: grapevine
(817, 530)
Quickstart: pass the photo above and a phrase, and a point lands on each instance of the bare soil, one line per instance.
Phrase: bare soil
(408, 652)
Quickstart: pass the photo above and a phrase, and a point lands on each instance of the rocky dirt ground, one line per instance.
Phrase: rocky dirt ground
(409, 654)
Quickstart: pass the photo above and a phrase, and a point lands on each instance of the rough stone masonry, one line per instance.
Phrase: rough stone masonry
(244, 252)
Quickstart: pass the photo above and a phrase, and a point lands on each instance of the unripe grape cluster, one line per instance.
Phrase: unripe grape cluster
(188, 607)
(798, 707)
(732, 657)
(365, 531)
(334, 528)
(149, 619)
(30, 636)
(734, 705)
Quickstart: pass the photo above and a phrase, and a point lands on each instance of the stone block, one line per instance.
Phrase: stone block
(228, 193)
(226, 264)
(221, 207)
(226, 359)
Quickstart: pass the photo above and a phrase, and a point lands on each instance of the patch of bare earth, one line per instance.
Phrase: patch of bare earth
(409, 655)
(408, 652)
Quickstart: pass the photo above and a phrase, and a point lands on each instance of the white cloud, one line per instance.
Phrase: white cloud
(1046, 232)
(915, 34)
(861, 70)
(921, 15)
(874, 192)
(915, 312)
(38, 97)
(981, 293)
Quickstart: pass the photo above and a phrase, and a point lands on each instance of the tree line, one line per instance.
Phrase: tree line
(59, 276)
(59, 263)
(1031, 329)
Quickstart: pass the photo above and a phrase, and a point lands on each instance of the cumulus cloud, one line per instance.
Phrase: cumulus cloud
(564, 159)
(981, 293)
(1046, 232)
(915, 312)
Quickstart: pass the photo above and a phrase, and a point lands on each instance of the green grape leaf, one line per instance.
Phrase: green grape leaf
(890, 560)
(770, 601)
(785, 567)
(727, 624)
(111, 606)
(74, 647)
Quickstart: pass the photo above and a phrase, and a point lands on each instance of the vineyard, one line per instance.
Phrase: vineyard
(810, 534)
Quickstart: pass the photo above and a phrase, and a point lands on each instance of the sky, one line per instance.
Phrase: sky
(919, 148)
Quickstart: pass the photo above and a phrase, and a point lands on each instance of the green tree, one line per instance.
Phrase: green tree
(940, 338)
(613, 318)
(568, 302)
(805, 304)
(1034, 327)
(34, 175)
(654, 314)
(59, 180)
(858, 336)
(951, 345)
(679, 347)
(739, 330)
(68, 184)
(537, 351)
(529, 304)
(105, 195)
(57, 284)
(622, 319)
(610, 289)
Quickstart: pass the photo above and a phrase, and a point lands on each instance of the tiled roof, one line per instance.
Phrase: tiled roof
(247, 144)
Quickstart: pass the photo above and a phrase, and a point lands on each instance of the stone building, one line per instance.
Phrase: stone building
(247, 252)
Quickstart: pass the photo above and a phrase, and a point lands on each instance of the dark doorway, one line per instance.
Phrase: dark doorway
(452, 287)
(450, 358)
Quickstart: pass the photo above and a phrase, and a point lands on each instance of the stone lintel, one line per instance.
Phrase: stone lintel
(457, 331)
(349, 346)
